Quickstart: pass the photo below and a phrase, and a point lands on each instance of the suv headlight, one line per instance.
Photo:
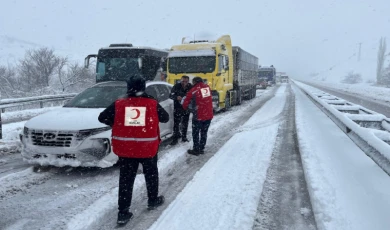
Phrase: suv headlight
(96, 147)
(82, 134)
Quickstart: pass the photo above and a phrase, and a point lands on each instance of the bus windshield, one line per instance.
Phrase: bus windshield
(116, 65)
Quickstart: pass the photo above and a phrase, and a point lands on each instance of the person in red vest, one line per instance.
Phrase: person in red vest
(200, 100)
(135, 139)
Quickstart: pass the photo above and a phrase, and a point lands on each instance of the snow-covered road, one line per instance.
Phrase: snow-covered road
(275, 162)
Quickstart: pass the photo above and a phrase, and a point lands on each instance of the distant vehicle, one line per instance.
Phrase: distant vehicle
(230, 71)
(267, 72)
(72, 135)
(262, 83)
(119, 61)
(269, 83)
(284, 79)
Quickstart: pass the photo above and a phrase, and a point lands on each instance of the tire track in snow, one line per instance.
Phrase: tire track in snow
(285, 201)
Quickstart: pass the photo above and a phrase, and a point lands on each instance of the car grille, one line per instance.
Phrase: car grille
(51, 138)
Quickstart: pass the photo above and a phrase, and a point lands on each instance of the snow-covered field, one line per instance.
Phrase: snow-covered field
(361, 89)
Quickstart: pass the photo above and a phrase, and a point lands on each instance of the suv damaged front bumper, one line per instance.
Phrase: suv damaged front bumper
(93, 151)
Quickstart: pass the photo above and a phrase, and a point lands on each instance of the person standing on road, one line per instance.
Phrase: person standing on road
(202, 105)
(180, 116)
(135, 139)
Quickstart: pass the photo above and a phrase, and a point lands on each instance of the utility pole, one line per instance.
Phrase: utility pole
(360, 49)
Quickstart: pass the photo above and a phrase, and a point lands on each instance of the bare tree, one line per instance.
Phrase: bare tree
(381, 60)
(9, 83)
(38, 66)
(61, 73)
(76, 78)
(352, 78)
(386, 77)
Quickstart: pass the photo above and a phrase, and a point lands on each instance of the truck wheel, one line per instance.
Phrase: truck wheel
(227, 101)
(239, 97)
(250, 94)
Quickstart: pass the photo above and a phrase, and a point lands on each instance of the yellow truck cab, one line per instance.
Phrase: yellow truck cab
(219, 65)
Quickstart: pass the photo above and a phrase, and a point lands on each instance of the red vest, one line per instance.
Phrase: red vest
(200, 93)
(135, 133)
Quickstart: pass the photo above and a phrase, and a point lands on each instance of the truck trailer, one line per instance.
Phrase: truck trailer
(230, 71)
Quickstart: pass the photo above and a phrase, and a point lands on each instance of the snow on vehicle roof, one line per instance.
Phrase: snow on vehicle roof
(133, 48)
(124, 84)
(192, 53)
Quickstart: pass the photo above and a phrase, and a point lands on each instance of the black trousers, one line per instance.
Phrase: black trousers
(180, 116)
(127, 174)
(200, 128)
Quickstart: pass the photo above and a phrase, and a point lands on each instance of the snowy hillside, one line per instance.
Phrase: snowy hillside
(13, 49)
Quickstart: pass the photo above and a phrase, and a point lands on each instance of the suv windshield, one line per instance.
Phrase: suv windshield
(191, 64)
(97, 97)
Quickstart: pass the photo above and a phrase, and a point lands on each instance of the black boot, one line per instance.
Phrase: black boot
(184, 139)
(152, 204)
(124, 217)
(193, 152)
(174, 141)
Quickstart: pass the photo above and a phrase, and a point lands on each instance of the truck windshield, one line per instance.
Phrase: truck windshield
(204, 64)
(266, 74)
(97, 97)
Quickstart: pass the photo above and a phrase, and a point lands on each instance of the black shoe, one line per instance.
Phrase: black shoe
(174, 142)
(124, 217)
(152, 204)
(184, 139)
(193, 152)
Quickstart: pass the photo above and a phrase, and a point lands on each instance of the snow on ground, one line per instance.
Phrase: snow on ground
(361, 89)
(10, 142)
(348, 190)
(20, 181)
(225, 193)
(25, 114)
(175, 157)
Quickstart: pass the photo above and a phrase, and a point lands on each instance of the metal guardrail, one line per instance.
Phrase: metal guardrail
(10, 103)
(368, 129)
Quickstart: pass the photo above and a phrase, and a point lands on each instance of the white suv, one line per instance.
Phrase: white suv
(72, 135)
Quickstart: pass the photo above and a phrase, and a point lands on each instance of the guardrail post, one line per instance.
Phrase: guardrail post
(1, 127)
(41, 104)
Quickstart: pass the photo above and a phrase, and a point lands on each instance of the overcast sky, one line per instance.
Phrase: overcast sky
(297, 36)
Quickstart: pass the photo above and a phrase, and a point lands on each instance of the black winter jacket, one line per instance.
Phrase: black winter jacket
(177, 90)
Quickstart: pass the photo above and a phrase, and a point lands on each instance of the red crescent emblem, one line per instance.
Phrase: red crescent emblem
(138, 114)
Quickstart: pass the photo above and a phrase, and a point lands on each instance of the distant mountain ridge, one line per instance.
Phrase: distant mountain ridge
(13, 49)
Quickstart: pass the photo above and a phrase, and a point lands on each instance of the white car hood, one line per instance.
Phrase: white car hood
(68, 119)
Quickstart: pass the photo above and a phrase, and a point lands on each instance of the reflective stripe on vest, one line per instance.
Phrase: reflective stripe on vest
(134, 139)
